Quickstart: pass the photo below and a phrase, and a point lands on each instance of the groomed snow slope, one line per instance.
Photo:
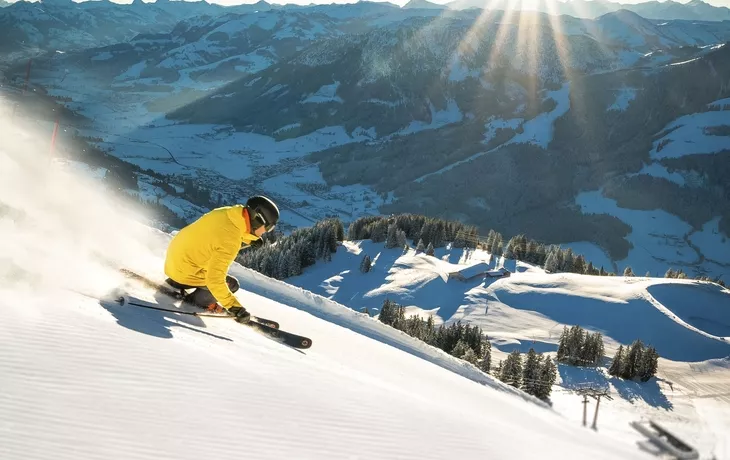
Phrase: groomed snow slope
(83, 381)
(88, 380)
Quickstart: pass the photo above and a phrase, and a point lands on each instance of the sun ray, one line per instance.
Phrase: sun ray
(563, 46)
(504, 30)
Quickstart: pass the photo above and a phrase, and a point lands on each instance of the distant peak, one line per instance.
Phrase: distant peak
(424, 4)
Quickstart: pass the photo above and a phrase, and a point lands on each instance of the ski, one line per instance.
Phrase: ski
(284, 337)
(170, 292)
(287, 338)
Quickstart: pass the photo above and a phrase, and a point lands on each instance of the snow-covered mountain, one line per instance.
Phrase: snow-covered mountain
(149, 384)
(695, 9)
(424, 4)
(526, 123)
(66, 25)
(664, 10)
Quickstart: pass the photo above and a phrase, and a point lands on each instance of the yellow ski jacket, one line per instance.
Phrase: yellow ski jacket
(201, 253)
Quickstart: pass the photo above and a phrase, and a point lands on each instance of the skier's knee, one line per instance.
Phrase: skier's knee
(201, 297)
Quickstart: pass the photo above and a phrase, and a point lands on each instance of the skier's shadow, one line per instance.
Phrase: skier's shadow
(153, 322)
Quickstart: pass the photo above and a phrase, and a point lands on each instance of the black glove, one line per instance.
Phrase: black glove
(242, 316)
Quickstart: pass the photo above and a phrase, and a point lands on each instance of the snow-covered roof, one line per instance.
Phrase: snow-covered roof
(473, 270)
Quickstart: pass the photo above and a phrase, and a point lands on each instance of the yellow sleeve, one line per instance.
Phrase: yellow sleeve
(220, 262)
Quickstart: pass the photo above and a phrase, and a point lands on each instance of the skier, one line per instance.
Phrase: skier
(200, 255)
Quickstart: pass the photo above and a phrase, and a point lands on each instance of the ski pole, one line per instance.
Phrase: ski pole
(191, 313)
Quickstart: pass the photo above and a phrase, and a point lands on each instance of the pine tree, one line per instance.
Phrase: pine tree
(391, 239)
(574, 344)
(268, 264)
(430, 334)
(430, 250)
(590, 269)
(496, 249)
(387, 313)
(379, 231)
(587, 351)
(400, 317)
(579, 265)
(486, 362)
(283, 267)
(602, 272)
(531, 372)
(460, 349)
(401, 239)
(331, 239)
(521, 247)
(509, 251)
(541, 255)
(512, 369)
(551, 263)
(599, 349)
(295, 263)
(633, 360)
(563, 344)
(670, 273)
(439, 236)
(490, 239)
(568, 260)
(617, 364)
(339, 230)
(547, 375)
(365, 264)
(628, 271)
(420, 247)
(560, 256)
(470, 357)
(459, 240)
(531, 253)
(648, 365)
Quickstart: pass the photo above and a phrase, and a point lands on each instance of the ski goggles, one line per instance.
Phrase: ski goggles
(258, 217)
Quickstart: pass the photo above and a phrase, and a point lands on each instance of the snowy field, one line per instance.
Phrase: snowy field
(688, 135)
(624, 96)
(84, 379)
(662, 240)
(134, 133)
(687, 321)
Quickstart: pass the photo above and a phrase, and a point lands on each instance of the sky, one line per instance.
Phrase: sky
(725, 3)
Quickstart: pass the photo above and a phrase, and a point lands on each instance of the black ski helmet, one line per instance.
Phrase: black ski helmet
(262, 211)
